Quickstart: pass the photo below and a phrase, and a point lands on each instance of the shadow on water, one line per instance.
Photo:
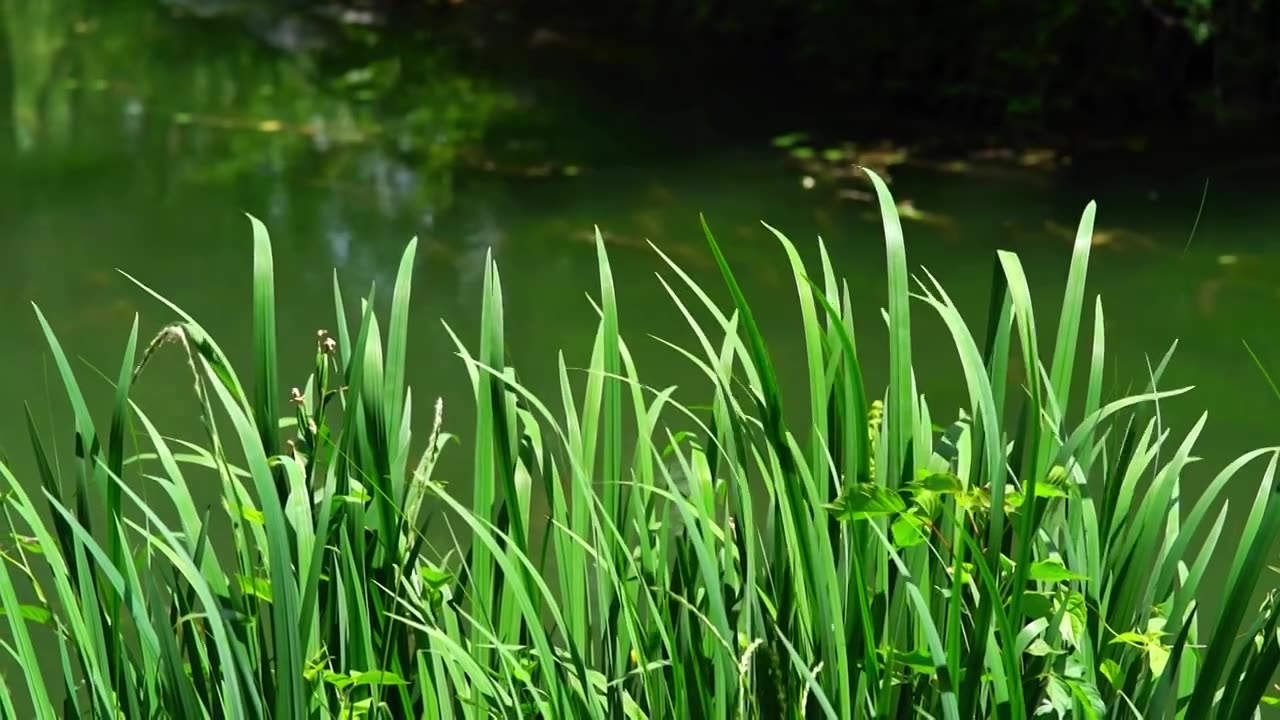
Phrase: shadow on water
(135, 134)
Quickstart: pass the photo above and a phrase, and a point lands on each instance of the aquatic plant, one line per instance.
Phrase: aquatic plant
(626, 553)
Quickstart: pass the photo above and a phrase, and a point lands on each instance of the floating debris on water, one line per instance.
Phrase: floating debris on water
(1104, 237)
(907, 210)
(852, 194)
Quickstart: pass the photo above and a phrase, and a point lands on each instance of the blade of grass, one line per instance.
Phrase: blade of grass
(267, 388)
(287, 649)
(394, 376)
(1256, 541)
(900, 402)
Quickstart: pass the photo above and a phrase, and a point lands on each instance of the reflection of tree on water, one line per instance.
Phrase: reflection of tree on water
(399, 188)
(284, 97)
(482, 235)
(7, 89)
(32, 44)
(453, 241)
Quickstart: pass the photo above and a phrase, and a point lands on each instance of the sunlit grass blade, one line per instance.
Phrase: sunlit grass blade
(394, 375)
(614, 493)
(340, 317)
(1256, 540)
(899, 410)
(86, 437)
(107, 570)
(516, 568)
(82, 634)
(1258, 666)
(23, 649)
(233, 692)
(796, 515)
(983, 401)
(287, 648)
(266, 402)
(857, 579)
(115, 437)
(1064, 350)
(823, 475)
(1036, 440)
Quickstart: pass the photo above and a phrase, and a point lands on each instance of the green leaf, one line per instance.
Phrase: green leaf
(1052, 571)
(918, 660)
(1012, 500)
(1110, 669)
(1073, 621)
(33, 613)
(1157, 657)
(397, 348)
(909, 530)
(259, 587)
(1038, 605)
(1045, 490)
(1057, 697)
(23, 649)
(942, 483)
(376, 677)
(927, 505)
(1131, 637)
(247, 513)
(901, 406)
(865, 500)
(266, 410)
(1088, 697)
(1040, 648)
(434, 577)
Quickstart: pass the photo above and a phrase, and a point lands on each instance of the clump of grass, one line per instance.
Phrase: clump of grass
(1033, 558)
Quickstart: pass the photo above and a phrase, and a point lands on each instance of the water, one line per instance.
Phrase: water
(138, 142)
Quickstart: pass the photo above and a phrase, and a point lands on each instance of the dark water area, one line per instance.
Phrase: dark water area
(140, 137)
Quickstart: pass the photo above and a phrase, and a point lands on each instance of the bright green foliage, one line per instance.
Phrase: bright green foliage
(624, 555)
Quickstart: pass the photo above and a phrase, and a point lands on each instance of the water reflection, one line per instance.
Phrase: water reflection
(296, 99)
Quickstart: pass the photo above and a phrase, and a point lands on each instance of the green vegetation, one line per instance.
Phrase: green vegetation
(628, 553)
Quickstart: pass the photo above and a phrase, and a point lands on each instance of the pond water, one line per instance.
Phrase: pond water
(137, 141)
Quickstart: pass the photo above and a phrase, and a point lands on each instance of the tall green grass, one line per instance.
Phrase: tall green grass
(631, 552)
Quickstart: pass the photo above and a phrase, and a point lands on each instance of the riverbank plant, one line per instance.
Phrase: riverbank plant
(627, 551)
